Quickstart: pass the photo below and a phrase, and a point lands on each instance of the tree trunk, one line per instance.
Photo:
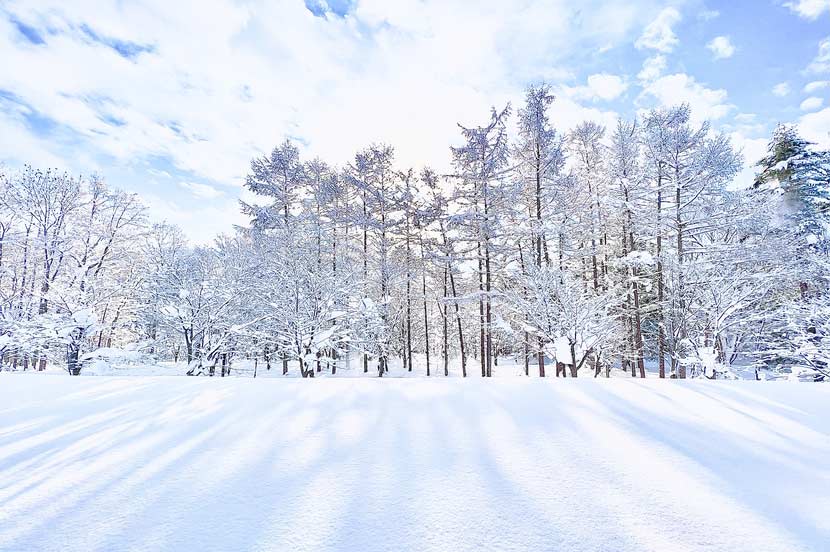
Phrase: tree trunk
(661, 329)
(460, 331)
(426, 314)
(408, 300)
(445, 332)
(188, 343)
(489, 316)
(680, 300)
(73, 365)
(481, 318)
(574, 367)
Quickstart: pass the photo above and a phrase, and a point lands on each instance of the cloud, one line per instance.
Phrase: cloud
(202, 191)
(753, 150)
(658, 35)
(747, 124)
(811, 104)
(402, 72)
(600, 86)
(781, 89)
(566, 113)
(123, 84)
(816, 127)
(607, 86)
(815, 86)
(821, 63)
(706, 103)
(17, 143)
(809, 9)
(721, 47)
(653, 67)
(201, 224)
(708, 15)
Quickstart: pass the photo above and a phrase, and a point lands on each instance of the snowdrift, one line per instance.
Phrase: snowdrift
(159, 463)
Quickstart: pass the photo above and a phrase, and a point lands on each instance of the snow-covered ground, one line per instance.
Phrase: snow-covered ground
(242, 368)
(155, 463)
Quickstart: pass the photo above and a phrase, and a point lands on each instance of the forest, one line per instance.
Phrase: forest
(566, 252)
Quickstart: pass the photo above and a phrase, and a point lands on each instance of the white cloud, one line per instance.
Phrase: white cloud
(721, 47)
(653, 67)
(781, 89)
(708, 15)
(747, 124)
(753, 149)
(401, 72)
(18, 146)
(815, 86)
(809, 9)
(202, 191)
(706, 103)
(821, 63)
(811, 104)
(598, 87)
(201, 223)
(566, 113)
(607, 86)
(815, 127)
(659, 35)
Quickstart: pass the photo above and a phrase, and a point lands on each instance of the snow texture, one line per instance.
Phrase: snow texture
(155, 463)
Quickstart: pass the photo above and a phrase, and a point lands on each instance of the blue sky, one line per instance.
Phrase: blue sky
(172, 99)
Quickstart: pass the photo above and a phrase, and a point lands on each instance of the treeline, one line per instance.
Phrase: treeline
(579, 251)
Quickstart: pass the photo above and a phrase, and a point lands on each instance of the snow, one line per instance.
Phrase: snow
(639, 258)
(165, 463)
(562, 349)
(84, 317)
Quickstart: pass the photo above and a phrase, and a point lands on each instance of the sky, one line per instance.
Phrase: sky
(172, 100)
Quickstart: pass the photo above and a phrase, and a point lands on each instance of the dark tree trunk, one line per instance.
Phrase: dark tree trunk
(445, 331)
(661, 329)
(481, 318)
(426, 315)
(489, 312)
(680, 299)
(72, 361)
(574, 365)
(460, 331)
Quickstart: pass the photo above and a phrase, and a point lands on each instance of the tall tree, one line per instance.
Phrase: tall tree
(480, 165)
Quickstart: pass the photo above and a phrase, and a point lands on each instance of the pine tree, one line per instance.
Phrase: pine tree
(801, 176)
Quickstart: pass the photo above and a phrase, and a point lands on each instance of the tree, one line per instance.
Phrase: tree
(628, 181)
(800, 177)
(480, 165)
(539, 161)
(698, 166)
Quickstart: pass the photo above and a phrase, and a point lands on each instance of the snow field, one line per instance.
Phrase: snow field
(156, 463)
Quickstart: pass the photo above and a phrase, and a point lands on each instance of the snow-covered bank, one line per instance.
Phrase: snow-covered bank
(150, 463)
